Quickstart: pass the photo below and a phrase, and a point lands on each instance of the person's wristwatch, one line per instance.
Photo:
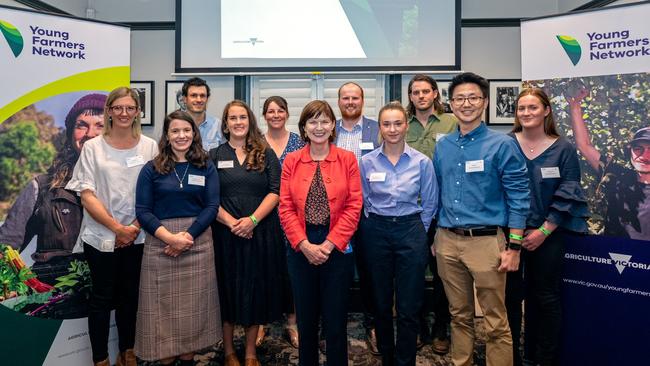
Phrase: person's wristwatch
(513, 246)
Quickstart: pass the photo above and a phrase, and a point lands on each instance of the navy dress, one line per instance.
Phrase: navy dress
(252, 273)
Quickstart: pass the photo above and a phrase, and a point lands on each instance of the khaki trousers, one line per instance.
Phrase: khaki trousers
(464, 262)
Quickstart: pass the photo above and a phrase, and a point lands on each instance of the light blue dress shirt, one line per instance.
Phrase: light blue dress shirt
(407, 188)
(350, 140)
(483, 180)
(210, 131)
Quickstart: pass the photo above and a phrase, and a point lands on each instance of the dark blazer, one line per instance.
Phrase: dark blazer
(369, 132)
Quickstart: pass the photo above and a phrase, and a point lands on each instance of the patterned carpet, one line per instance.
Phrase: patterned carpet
(276, 351)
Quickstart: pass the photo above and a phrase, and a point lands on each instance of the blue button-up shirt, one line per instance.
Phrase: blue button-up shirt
(350, 140)
(483, 180)
(407, 188)
(210, 131)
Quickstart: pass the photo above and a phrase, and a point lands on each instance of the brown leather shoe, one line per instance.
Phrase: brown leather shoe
(252, 362)
(440, 345)
(120, 360)
(261, 333)
(129, 358)
(231, 360)
(371, 340)
(102, 363)
(126, 358)
(292, 335)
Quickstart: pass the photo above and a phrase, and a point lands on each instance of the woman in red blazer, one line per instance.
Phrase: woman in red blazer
(320, 204)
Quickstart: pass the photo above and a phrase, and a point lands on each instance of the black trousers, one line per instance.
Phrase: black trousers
(115, 285)
(363, 274)
(321, 291)
(395, 251)
(540, 288)
(440, 304)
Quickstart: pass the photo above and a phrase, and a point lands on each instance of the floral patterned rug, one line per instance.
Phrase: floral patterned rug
(276, 350)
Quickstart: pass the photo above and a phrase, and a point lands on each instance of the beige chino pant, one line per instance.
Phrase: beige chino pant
(465, 262)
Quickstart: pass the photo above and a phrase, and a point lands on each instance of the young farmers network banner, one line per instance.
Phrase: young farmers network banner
(56, 72)
(595, 66)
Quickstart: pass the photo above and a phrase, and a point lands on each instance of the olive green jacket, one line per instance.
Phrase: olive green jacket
(424, 140)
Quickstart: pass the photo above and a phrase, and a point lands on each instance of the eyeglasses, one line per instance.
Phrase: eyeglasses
(472, 99)
(117, 109)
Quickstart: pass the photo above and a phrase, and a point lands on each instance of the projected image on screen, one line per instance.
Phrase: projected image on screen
(257, 34)
(266, 34)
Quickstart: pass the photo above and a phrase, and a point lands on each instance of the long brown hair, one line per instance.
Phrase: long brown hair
(437, 104)
(164, 162)
(255, 146)
(549, 121)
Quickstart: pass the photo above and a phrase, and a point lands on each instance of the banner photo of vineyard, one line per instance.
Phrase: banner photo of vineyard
(596, 70)
(60, 70)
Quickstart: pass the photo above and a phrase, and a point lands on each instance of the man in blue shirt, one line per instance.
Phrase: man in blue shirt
(483, 189)
(196, 93)
(359, 134)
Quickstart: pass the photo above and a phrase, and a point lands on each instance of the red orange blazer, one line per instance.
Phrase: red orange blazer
(340, 172)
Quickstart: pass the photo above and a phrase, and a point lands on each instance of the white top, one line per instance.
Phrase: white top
(112, 175)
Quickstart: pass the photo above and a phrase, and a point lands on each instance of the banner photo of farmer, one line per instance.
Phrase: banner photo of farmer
(608, 119)
(39, 147)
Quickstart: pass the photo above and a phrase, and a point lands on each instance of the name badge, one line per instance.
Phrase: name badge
(550, 172)
(377, 177)
(197, 180)
(134, 161)
(473, 166)
(439, 136)
(225, 164)
(106, 246)
(366, 146)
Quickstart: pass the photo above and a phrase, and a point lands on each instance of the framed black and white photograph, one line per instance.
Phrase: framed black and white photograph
(174, 96)
(146, 92)
(503, 97)
(443, 89)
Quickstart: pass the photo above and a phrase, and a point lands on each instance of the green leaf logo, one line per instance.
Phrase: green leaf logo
(571, 47)
(13, 37)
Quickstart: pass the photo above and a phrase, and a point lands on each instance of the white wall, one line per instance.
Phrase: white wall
(507, 8)
(152, 58)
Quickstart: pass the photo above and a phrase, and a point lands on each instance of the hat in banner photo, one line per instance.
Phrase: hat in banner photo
(642, 134)
(87, 102)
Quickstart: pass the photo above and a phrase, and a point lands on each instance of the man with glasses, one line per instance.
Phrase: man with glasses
(360, 135)
(427, 123)
(196, 93)
(484, 192)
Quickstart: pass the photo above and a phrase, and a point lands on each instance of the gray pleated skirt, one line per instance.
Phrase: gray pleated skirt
(178, 308)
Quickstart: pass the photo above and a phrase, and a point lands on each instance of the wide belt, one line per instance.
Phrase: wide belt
(478, 231)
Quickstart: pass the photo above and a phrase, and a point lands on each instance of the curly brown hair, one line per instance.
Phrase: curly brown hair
(164, 162)
(255, 146)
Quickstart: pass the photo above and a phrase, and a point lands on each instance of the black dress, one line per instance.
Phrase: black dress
(252, 273)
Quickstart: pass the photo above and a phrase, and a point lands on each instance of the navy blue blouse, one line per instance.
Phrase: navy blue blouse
(557, 198)
(160, 197)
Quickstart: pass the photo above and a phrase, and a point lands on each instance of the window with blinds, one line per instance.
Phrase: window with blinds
(299, 90)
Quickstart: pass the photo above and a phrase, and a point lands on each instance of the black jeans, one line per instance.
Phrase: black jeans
(321, 291)
(542, 276)
(395, 251)
(115, 284)
(440, 304)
